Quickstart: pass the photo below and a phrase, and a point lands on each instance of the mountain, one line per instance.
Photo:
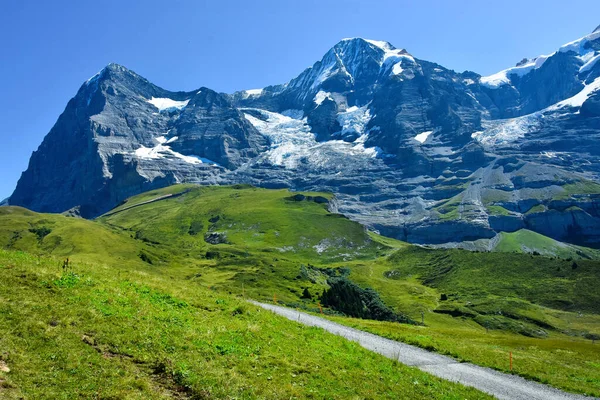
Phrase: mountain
(121, 135)
(411, 149)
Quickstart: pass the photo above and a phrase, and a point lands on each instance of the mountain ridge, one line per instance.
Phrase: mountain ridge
(411, 149)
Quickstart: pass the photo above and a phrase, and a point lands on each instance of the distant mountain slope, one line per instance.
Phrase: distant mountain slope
(410, 148)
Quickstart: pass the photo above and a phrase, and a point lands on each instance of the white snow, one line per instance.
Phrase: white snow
(388, 50)
(163, 103)
(163, 151)
(397, 68)
(508, 130)
(503, 77)
(148, 153)
(321, 96)
(164, 140)
(469, 81)
(422, 137)
(354, 119)
(379, 43)
(554, 154)
(577, 45)
(252, 93)
(591, 62)
(579, 98)
(369, 151)
(496, 80)
(401, 63)
(288, 137)
(293, 143)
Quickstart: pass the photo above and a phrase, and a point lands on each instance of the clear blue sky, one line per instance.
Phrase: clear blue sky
(49, 48)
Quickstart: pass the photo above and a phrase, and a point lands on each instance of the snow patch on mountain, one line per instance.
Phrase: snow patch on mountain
(163, 151)
(505, 131)
(354, 120)
(589, 63)
(397, 69)
(579, 98)
(163, 103)
(252, 93)
(164, 140)
(373, 152)
(389, 51)
(422, 137)
(503, 77)
(321, 96)
(289, 137)
(293, 143)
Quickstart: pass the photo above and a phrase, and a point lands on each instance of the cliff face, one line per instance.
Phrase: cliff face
(410, 148)
(121, 135)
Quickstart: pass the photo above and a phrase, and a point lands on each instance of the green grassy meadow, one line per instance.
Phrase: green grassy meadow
(152, 304)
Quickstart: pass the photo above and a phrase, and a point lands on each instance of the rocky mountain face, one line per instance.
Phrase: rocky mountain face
(121, 135)
(417, 151)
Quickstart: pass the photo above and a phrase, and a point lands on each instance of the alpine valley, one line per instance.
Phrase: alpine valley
(199, 208)
(410, 149)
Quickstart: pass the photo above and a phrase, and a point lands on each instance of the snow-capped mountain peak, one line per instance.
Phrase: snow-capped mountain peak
(383, 49)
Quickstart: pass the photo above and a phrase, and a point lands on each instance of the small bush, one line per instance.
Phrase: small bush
(345, 296)
(41, 232)
(145, 257)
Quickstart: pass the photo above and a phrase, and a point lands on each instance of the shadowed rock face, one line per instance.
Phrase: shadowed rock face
(410, 148)
(111, 143)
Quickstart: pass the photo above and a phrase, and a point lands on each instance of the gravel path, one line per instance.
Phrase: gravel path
(159, 198)
(500, 385)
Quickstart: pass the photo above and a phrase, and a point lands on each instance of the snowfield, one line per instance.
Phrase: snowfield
(163, 151)
(163, 103)
(292, 141)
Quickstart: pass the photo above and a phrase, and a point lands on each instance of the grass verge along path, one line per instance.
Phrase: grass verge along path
(502, 386)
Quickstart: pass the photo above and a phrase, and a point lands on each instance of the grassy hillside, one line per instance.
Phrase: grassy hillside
(526, 241)
(266, 244)
(113, 332)
(478, 307)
